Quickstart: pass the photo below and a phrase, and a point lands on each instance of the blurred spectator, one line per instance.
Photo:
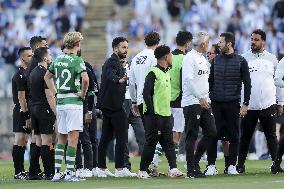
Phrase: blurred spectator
(113, 29)
(62, 23)
(21, 19)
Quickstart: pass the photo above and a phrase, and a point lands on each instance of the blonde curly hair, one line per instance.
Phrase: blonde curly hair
(72, 39)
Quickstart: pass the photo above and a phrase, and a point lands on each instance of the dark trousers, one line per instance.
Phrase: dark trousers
(196, 116)
(85, 144)
(89, 143)
(267, 118)
(93, 138)
(114, 125)
(138, 128)
(158, 129)
(227, 120)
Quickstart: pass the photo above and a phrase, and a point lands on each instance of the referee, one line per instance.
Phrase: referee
(43, 110)
(157, 113)
(20, 113)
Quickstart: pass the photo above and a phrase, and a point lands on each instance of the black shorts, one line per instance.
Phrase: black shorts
(43, 120)
(19, 122)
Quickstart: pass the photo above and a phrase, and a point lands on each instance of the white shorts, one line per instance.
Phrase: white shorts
(178, 120)
(69, 118)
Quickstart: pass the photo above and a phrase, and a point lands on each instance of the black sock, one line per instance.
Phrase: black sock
(18, 158)
(46, 157)
(34, 160)
(52, 151)
(226, 161)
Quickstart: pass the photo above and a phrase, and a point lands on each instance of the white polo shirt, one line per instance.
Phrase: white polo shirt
(139, 68)
(262, 67)
(195, 74)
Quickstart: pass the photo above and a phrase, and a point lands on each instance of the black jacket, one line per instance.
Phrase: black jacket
(227, 73)
(112, 93)
(92, 89)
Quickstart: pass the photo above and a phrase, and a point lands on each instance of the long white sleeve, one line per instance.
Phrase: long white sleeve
(132, 86)
(279, 74)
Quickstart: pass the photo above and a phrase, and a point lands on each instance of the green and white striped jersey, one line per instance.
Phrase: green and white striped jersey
(67, 69)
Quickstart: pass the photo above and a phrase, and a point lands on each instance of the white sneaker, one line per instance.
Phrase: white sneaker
(143, 175)
(88, 173)
(232, 170)
(108, 173)
(94, 172)
(71, 177)
(175, 172)
(211, 170)
(57, 177)
(80, 173)
(124, 173)
(101, 173)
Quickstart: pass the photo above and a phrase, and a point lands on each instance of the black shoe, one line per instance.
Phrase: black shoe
(21, 176)
(275, 168)
(241, 169)
(40, 176)
(226, 170)
(196, 173)
(50, 177)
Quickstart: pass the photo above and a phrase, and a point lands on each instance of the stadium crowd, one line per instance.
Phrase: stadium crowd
(21, 19)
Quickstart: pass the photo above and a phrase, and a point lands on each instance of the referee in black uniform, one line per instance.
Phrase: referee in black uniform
(20, 113)
(34, 170)
(43, 111)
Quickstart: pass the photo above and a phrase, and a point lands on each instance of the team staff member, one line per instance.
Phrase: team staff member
(20, 113)
(110, 101)
(157, 113)
(68, 69)
(227, 73)
(139, 67)
(195, 103)
(134, 120)
(266, 99)
(43, 110)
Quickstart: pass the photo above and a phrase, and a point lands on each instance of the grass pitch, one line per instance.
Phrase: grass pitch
(257, 176)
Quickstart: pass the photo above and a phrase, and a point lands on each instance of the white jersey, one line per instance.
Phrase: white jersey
(264, 93)
(139, 68)
(195, 74)
(279, 74)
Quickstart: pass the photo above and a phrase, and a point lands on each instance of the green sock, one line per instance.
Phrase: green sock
(59, 154)
(70, 158)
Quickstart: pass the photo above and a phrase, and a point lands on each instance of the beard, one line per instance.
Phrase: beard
(122, 55)
(224, 50)
(255, 48)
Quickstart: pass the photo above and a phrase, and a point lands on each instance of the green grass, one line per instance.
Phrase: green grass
(257, 176)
